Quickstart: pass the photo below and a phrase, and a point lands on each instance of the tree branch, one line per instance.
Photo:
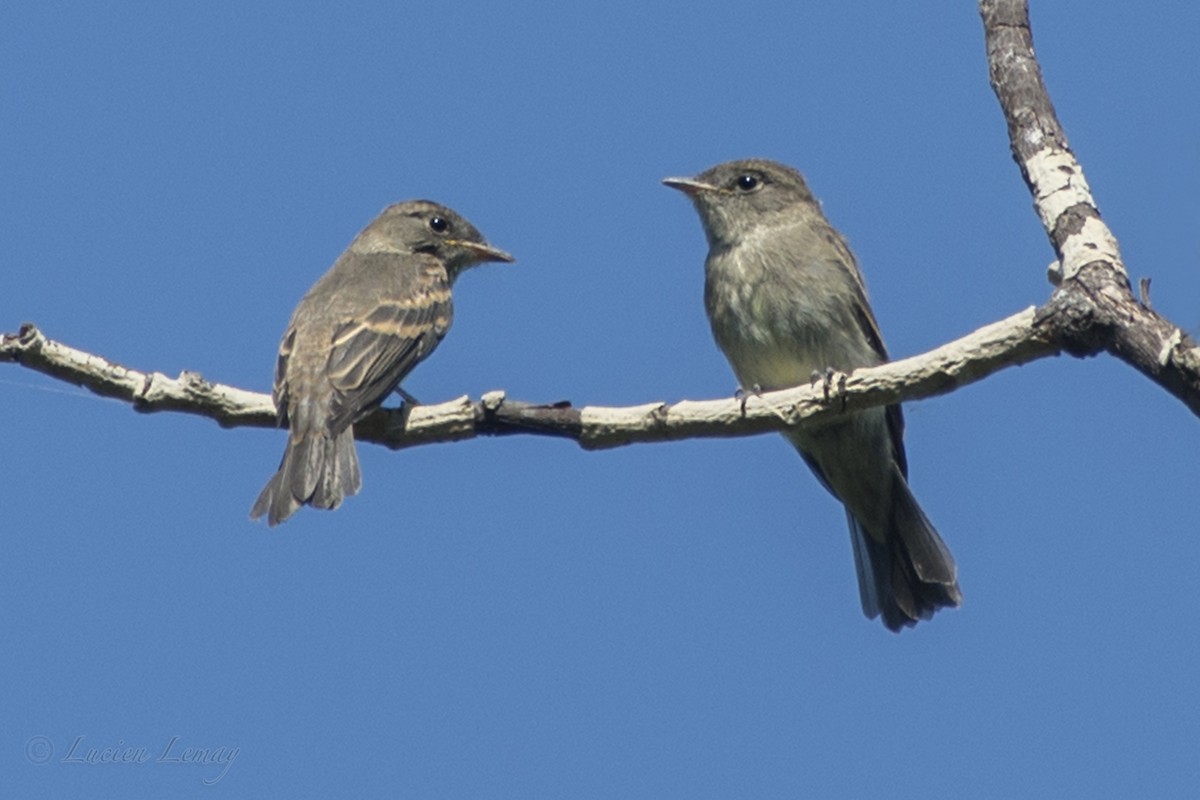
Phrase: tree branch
(1093, 308)
(1012, 341)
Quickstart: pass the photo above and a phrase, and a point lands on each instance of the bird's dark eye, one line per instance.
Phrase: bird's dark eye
(747, 183)
(438, 224)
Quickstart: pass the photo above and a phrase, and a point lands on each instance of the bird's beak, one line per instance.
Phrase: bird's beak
(688, 186)
(485, 252)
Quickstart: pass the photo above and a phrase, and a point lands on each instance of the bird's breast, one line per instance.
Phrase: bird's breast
(779, 321)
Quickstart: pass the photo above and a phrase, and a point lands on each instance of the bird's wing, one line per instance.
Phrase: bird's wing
(870, 330)
(280, 391)
(862, 307)
(371, 354)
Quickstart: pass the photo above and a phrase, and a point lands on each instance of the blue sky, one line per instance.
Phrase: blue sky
(516, 617)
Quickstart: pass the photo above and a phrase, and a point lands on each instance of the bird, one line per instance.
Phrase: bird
(787, 303)
(381, 309)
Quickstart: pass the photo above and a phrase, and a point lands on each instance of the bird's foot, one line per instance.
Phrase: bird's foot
(408, 399)
(827, 379)
(743, 395)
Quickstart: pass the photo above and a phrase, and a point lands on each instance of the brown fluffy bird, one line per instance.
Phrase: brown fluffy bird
(380, 310)
(786, 301)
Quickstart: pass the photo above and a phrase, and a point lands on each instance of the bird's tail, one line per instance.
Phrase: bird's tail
(316, 470)
(907, 574)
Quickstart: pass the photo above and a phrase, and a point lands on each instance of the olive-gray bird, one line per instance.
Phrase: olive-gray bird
(786, 300)
(382, 308)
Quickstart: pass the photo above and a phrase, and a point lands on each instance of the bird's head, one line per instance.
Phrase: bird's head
(735, 197)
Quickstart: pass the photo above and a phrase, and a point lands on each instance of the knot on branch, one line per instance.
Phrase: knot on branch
(27, 339)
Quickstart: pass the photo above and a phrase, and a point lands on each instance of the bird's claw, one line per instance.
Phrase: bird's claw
(743, 395)
(826, 378)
